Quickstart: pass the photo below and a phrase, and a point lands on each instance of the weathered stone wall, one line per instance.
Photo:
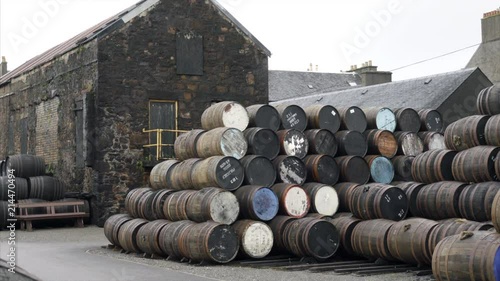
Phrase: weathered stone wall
(137, 63)
(45, 98)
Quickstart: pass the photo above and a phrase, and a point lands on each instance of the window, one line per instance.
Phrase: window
(162, 115)
(189, 53)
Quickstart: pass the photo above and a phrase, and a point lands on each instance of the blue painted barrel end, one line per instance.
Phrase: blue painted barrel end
(496, 265)
(265, 204)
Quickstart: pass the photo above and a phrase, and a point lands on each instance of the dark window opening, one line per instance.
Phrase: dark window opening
(189, 53)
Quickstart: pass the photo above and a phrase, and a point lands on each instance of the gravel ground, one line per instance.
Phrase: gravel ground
(93, 240)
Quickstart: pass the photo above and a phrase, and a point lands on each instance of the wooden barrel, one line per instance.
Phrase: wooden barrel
(342, 214)
(292, 117)
(432, 140)
(310, 237)
(440, 200)
(408, 240)
(322, 169)
(257, 202)
(402, 167)
(492, 131)
(467, 256)
(278, 225)
(25, 165)
(258, 170)
(180, 176)
(430, 120)
(222, 142)
(345, 226)
(317, 216)
(293, 200)
(497, 166)
(344, 191)
(476, 200)
(411, 190)
(255, 238)
(381, 118)
(264, 116)
(381, 142)
(454, 226)
(158, 201)
(353, 169)
(185, 144)
(127, 235)
(132, 200)
(218, 171)
(495, 212)
(324, 198)
(321, 141)
(290, 169)
(351, 143)
(293, 143)
(264, 142)
(352, 119)
(18, 189)
(488, 101)
(433, 166)
(407, 119)
(174, 208)
(466, 133)
(209, 241)
(323, 117)
(409, 143)
(148, 237)
(160, 174)
(369, 239)
(214, 204)
(476, 164)
(379, 201)
(228, 114)
(381, 168)
(112, 227)
(46, 188)
(144, 207)
(169, 237)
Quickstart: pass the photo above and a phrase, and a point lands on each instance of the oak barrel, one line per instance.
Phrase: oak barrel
(290, 169)
(159, 176)
(157, 201)
(127, 235)
(381, 142)
(323, 117)
(18, 187)
(369, 239)
(46, 188)
(278, 225)
(379, 201)
(408, 240)
(264, 142)
(381, 168)
(263, 116)
(433, 166)
(180, 177)
(352, 119)
(215, 204)
(466, 133)
(293, 143)
(467, 256)
(293, 200)
(488, 101)
(381, 118)
(409, 143)
(185, 144)
(292, 117)
(476, 164)
(430, 120)
(169, 237)
(351, 143)
(476, 200)
(112, 227)
(321, 141)
(322, 169)
(402, 167)
(257, 202)
(345, 226)
(495, 212)
(148, 237)
(134, 196)
(222, 141)
(344, 191)
(492, 131)
(324, 198)
(218, 171)
(225, 114)
(432, 140)
(25, 165)
(258, 170)
(411, 190)
(440, 200)
(353, 169)
(174, 207)
(255, 238)
(407, 119)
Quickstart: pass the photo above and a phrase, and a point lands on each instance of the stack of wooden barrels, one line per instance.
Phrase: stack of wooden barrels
(23, 179)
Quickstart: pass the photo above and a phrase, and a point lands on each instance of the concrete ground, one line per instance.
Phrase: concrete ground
(76, 254)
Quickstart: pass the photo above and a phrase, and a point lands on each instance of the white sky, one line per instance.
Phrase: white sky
(330, 33)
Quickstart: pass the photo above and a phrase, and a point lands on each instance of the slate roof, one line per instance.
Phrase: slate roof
(293, 84)
(105, 27)
(424, 92)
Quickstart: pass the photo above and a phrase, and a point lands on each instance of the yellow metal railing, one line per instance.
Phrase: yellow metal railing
(159, 140)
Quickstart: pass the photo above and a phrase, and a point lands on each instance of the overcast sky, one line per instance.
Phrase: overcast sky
(329, 33)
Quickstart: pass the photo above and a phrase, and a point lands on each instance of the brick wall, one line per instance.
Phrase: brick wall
(47, 117)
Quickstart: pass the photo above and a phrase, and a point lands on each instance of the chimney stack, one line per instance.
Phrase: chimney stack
(490, 25)
(370, 75)
(3, 66)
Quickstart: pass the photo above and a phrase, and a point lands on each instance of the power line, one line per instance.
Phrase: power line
(433, 58)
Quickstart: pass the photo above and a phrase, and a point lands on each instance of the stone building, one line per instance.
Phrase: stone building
(83, 104)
